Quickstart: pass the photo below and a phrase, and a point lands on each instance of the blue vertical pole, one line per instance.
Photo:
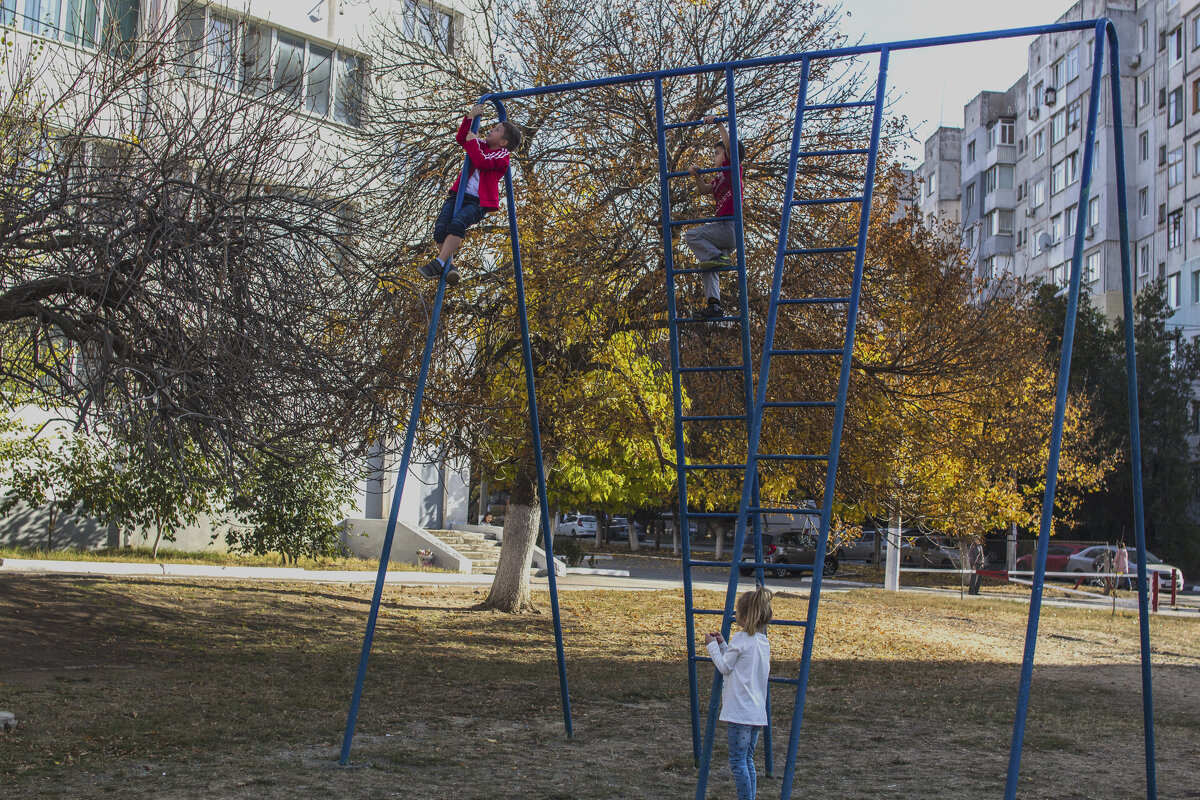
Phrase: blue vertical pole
(393, 515)
(1060, 405)
(664, 195)
(535, 432)
(749, 481)
(789, 769)
(1135, 438)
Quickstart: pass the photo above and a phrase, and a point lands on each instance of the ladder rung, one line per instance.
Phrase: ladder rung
(817, 153)
(712, 515)
(749, 565)
(825, 352)
(700, 658)
(831, 106)
(710, 369)
(693, 270)
(699, 221)
(701, 171)
(715, 418)
(800, 404)
(712, 611)
(816, 251)
(812, 301)
(795, 623)
(807, 512)
(790, 681)
(695, 124)
(825, 201)
(715, 466)
(682, 320)
(762, 457)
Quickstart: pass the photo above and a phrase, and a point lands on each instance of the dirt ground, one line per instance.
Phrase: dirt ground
(191, 689)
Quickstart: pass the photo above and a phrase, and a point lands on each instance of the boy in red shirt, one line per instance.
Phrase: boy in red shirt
(713, 242)
(489, 162)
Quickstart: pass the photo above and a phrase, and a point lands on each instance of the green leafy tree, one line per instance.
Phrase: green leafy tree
(1168, 367)
(290, 506)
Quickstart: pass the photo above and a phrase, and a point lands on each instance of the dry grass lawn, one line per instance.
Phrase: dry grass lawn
(187, 689)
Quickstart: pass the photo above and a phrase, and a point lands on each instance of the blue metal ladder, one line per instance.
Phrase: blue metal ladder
(751, 507)
(678, 371)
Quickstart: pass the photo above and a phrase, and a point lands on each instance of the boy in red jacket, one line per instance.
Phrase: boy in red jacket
(489, 162)
(713, 243)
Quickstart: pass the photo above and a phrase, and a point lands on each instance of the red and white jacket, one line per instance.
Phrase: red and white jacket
(490, 163)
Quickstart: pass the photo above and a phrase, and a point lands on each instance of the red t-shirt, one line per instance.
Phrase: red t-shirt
(723, 190)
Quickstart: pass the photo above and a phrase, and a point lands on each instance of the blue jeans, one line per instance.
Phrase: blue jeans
(449, 223)
(742, 741)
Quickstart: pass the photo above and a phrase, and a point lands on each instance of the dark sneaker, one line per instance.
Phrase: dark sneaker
(452, 275)
(431, 270)
(720, 262)
(711, 311)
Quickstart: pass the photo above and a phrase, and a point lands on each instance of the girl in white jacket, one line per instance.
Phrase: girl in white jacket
(745, 663)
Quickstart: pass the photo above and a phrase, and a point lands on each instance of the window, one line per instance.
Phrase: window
(1144, 90)
(971, 152)
(1074, 114)
(998, 177)
(1038, 195)
(969, 198)
(1039, 143)
(1064, 173)
(969, 238)
(1000, 222)
(1144, 146)
(1175, 167)
(1058, 73)
(1143, 36)
(1195, 299)
(1094, 211)
(1072, 64)
(1056, 229)
(1173, 287)
(992, 135)
(429, 26)
(1196, 94)
(1175, 229)
(1175, 107)
(87, 23)
(1162, 213)
(1196, 222)
(988, 270)
(1195, 32)
(1143, 202)
(1069, 217)
(1175, 45)
(1008, 131)
(1092, 267)
(1058, 127)
(1144, 260)
(1196, 159)
(256, 59)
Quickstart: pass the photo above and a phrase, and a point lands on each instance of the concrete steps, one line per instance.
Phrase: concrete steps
(483, 552)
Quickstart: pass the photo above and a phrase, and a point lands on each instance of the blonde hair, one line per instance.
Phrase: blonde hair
(754, 610)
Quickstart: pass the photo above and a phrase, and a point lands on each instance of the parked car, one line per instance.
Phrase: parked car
(863, 548)
(930, 550)
(1098, 558)
(577, 525)
(618, 528)
(789, 548)
(1056, 558)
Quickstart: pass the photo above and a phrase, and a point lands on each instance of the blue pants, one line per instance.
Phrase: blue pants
(450, 224)
(742, 741)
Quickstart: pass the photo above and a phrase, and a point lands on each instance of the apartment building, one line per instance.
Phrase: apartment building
(309, 52)
(938, 189)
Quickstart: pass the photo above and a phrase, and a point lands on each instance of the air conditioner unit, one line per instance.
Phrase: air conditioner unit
(1135, 60)
(1050, 96)
(1034, 113)
(1090, 233)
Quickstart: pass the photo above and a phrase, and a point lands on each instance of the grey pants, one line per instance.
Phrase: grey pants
(710, 241)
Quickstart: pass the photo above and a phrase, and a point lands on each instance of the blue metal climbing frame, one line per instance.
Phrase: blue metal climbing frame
(757, 399)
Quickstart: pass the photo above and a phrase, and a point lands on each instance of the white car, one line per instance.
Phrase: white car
(577, 525)
(1098, 558)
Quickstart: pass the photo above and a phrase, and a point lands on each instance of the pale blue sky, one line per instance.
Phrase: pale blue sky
(932, 85)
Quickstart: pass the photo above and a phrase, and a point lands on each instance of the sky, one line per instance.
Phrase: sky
(931, 86)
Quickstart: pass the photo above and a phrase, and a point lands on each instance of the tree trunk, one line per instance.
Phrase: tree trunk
(891, 571)
(675, 543)
(718, 541)
(53, 519)
(158, 536)
(510, 587)
(632, 527)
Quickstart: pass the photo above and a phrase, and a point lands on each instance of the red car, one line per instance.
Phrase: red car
(1056, 557)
